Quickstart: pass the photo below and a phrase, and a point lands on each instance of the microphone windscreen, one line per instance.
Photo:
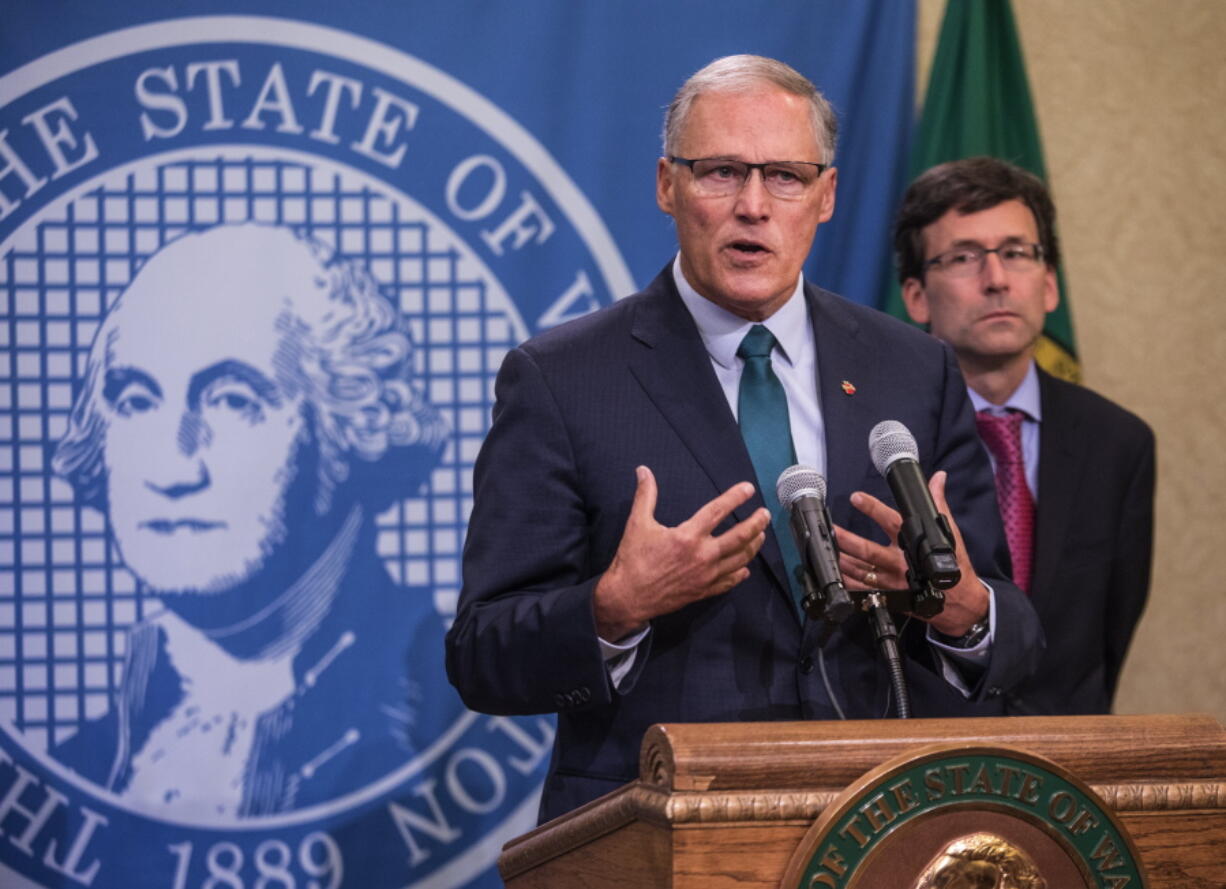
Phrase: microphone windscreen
(890, 441)
(800, 481)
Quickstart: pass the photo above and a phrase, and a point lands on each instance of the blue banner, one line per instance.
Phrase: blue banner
(259, 264)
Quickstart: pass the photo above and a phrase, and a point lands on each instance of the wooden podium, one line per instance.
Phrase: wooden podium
(732, 806)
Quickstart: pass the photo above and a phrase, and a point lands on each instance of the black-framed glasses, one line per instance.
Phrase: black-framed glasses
(960, 262)
(722, 177)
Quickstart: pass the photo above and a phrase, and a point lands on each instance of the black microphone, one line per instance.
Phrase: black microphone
(925, 536)
(802, 491)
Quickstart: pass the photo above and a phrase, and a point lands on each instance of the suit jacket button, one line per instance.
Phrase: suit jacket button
(995, 692)
(560, 700)
(584, 695)
(806, 665)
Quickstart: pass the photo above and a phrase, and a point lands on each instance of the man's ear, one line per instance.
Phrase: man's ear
(665, 186)
(915, 299)
(1051, 290)
(831, 186)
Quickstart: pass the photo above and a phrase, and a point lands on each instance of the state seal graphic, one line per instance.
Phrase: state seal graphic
(258, 276)
(954, 815)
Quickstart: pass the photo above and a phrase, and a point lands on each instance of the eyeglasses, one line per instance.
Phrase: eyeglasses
(965, 261)
(721, 177)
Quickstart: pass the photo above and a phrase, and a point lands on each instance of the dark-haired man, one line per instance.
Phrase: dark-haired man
(977, 257)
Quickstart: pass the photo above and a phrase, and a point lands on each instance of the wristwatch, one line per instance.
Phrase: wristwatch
(971, 638)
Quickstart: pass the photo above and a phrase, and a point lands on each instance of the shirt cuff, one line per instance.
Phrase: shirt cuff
(619, 657)
(954, 661)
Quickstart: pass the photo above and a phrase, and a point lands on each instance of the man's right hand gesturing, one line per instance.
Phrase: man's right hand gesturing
(657, 570)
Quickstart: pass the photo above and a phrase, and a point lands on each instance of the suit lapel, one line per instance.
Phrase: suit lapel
(673, 367)
(1058, 470)
(847, 415)
(847, 410)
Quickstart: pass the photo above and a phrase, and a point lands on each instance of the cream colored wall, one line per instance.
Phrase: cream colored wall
(1131, 99)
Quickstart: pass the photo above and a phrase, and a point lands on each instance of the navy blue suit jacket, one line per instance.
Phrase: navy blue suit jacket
(1093, 546)
(578, 408)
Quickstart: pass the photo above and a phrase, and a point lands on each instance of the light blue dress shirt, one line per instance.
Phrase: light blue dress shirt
(794, 361)
(1026, 400)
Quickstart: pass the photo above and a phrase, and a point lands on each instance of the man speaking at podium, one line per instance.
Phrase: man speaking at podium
(622, 568)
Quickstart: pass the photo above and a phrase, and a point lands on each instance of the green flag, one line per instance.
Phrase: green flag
(978, 102)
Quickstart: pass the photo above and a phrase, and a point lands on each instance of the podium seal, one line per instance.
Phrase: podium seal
(957, 815)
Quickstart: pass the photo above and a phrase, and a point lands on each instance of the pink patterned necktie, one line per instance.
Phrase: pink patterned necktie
(1002, 433)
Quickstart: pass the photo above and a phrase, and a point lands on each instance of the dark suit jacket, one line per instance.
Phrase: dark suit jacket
(578, 408)
(1094, 539)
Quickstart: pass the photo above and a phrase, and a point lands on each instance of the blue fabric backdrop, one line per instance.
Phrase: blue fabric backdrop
(259, 262)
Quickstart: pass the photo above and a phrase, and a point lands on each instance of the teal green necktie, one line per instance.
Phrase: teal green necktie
(762, 411)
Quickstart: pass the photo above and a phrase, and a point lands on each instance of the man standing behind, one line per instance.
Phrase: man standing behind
(977, 258)
(622, 567)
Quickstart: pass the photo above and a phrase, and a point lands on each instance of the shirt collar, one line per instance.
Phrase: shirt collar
(1025, 398)
(722, 331)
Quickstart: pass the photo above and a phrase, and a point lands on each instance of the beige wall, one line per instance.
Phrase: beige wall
(1131, 99)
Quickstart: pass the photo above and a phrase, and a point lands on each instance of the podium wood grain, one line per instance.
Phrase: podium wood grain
(725, 806)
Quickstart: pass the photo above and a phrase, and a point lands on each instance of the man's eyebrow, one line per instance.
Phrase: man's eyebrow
(236, 370)
(119, 378)
(975, 242)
